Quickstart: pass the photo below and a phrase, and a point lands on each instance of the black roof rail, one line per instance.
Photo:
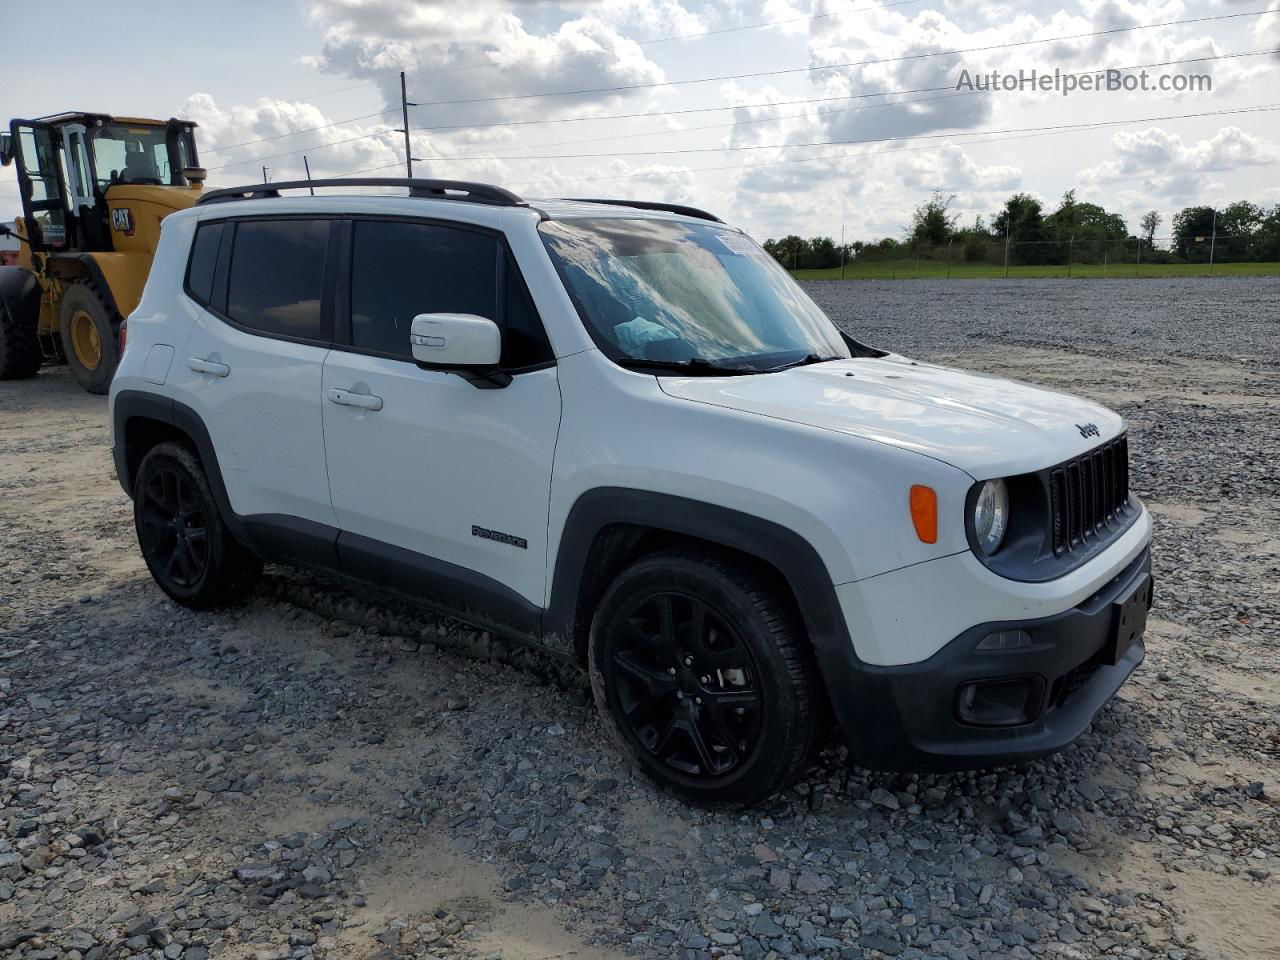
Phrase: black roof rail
(425, 189)
(651, 205)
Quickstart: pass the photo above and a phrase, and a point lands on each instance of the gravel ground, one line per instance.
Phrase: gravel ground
(318, 773)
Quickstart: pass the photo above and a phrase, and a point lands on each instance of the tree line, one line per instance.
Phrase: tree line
(1076, 231)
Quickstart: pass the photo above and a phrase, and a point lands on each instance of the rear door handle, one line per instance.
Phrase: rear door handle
(364, 401)
(208, 366)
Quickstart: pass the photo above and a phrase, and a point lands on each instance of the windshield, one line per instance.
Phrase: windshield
(659, 291)
(132, 153)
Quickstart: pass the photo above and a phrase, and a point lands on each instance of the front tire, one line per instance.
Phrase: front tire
(187, 547)
(700, 671)
(90, 337)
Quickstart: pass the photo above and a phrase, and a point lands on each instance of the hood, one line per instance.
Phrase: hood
(984, 425)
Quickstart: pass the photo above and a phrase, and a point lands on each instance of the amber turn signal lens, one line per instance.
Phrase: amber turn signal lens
(924, 513)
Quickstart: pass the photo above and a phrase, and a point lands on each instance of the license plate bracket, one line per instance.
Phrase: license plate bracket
(1128, 620)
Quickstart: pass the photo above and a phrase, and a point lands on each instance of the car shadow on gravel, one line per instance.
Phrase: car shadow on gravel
(296, 749)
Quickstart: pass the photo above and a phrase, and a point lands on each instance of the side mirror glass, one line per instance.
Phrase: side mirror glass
(6, 149)
(455, 340)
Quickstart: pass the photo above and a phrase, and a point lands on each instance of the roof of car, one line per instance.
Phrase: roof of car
(452, 191)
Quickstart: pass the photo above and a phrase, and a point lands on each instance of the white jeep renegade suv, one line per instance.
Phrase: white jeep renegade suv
(619, 430)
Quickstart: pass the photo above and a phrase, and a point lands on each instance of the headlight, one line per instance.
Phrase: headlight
(991, 516)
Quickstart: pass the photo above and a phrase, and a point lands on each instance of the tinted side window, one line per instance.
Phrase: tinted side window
(399, 270)
(204, 257)
(277, 275)
(524, 343)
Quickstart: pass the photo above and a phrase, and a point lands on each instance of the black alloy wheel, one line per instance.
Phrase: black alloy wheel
(173, 527)
(702, 673)
(190, 552)
(687, 685)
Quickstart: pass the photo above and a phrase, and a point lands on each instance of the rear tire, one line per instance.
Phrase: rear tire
(188, 549)
(90, 337)
(20, 355)
(701, 672)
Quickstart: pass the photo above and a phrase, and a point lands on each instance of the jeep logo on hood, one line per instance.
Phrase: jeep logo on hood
(1088, 429)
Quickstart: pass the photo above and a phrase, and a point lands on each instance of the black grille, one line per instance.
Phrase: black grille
(1089, 494)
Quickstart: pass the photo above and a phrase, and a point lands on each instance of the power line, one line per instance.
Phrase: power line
(682, 36)
(294, 133)
(839, 66)
(329, 93)
(872, 106)
(836, 143)
(859, 96)
(990, 137)
(397, 163)
(743, 76)
(846, 156)
(806, 100)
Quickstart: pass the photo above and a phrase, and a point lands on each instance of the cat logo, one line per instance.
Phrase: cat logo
(122, 220)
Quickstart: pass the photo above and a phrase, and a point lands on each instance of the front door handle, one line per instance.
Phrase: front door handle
(364, 401)
(208, 366)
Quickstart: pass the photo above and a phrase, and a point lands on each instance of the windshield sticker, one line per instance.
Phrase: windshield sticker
(738, 244)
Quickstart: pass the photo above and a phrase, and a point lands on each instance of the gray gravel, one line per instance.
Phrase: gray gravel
(318, 773)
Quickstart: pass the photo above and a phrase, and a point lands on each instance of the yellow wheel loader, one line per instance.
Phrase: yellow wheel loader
(94, 189)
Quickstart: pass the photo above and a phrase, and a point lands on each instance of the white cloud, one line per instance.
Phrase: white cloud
(1169, 164)
(950, 169)
(264, 128)
(485, 50)
(1267, 30)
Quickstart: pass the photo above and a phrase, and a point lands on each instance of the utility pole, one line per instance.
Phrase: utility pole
(1213, 239)
(1070, 243)
(307, 167)
(950, 241)
(1007, 220)
(1137, 267)
(842, 251)
(404, 112)
(264, 175)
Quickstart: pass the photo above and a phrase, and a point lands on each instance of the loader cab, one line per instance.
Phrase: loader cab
(94, 190)
(67, 163)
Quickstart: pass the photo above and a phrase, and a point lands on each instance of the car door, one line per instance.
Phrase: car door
(252, 370)
(440, 485)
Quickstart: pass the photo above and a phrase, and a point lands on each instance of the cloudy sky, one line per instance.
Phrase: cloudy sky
(783, 116)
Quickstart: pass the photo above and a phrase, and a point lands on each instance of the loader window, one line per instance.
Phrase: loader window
(126, 153)
(39, 167)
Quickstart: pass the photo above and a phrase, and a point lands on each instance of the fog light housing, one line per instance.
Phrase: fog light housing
(1005, 640)
(1007, 702)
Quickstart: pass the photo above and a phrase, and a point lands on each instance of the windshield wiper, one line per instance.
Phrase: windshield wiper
(694, 364)
(802, 362)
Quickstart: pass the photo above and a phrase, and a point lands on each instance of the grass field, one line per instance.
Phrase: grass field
(910, 269)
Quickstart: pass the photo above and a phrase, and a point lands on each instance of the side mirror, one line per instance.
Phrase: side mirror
(6, 149)
(455, 340)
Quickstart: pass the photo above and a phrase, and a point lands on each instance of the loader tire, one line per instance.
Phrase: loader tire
(90, 337)
(20, 356)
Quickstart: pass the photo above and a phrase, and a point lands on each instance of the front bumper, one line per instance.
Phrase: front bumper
(907, 717)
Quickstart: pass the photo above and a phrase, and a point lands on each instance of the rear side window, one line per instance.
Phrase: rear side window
(204, 258)
(276, 281)
(399, 270)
